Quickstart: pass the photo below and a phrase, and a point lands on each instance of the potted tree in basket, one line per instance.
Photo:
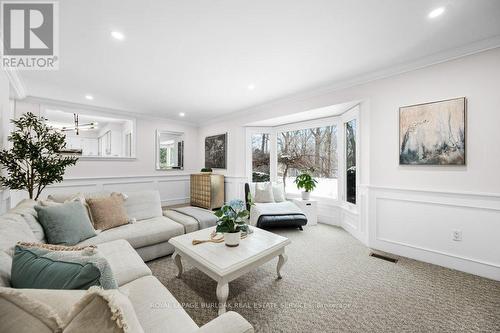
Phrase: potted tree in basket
(35, 159)
(307, 182)
(233, 218)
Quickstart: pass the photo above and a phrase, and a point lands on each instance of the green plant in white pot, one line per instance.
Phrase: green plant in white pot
(306, 182)
(233, 218)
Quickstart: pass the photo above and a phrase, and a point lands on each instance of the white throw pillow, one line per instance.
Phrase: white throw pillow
(143, 205)
(264, 193)
(24, 310)
(102, 311)
(279, 192)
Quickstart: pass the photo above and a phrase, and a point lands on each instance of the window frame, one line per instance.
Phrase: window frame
(251, 131)
(338, 121)
(308, 124)
(352, 114)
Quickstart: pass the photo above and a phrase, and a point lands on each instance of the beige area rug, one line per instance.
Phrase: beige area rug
(330, 284)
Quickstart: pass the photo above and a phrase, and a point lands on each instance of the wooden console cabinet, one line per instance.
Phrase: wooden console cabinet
(207, 190)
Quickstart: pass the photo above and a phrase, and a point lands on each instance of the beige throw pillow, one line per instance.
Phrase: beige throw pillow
(24, 310)
(264, 193)
(102, 311)
(108, 212)
(22, 314)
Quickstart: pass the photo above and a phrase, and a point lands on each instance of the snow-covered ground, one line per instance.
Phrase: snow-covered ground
(326, 187)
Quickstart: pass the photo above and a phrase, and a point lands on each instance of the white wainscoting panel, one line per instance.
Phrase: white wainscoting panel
(420, 225)
(329, 213)
(174, 189)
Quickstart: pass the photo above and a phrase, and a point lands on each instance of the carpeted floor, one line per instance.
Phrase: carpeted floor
(330, 284)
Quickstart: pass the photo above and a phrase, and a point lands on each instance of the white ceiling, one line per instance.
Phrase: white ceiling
(199, 56)
(324, 112)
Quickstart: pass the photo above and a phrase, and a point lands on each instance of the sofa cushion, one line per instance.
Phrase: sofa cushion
(141, 233)
(12, 230)
(154, 251)
(190, 223)
(156, 308)
(66, 224)
(66, 311)
(61, 198)
(143, 205)
(41, 268)
(102, 311)
(107, 212)
(59, 300)
(5, 267)
(22, 314)
(124, 261)
(26, 209)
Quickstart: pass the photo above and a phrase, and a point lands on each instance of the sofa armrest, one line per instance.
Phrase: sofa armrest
(229, 322)
(125, 263)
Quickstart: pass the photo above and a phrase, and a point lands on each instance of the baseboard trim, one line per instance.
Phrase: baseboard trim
(448, 260)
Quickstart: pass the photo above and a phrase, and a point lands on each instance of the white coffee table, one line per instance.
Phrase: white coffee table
(223, 263)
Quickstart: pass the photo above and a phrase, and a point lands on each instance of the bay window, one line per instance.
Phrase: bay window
(327, 148)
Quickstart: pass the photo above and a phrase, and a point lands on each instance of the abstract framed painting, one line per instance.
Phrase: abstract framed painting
(433, 133)
(216, 151)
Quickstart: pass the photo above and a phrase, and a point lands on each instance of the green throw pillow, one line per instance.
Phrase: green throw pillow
(66, 224)
(37, 268)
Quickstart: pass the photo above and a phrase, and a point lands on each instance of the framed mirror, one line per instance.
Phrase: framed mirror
(169, 150)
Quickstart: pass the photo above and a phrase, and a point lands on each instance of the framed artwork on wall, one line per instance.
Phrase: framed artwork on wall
(433, 133)
(216, 151)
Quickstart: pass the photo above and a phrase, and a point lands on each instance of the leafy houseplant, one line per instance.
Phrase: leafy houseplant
(34, 161)
(232, 221)
(208, 170)
(307, 182)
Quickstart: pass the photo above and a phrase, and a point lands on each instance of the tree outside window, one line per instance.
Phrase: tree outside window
(314, 150)
(260, 158)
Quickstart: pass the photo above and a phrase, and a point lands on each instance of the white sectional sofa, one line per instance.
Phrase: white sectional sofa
(150, 232)
(156, 308)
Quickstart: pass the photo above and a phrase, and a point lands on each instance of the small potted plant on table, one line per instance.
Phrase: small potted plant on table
(233, 218)
(307, 182)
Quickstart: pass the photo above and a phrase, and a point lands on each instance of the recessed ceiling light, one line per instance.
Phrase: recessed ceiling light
(89, 97)
(181, 114)
(436, 12)
(251, 86)
(117, 35)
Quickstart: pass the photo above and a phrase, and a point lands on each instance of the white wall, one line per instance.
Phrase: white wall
(132, 174)
(4, 126)
(392, 224)
(144, 163)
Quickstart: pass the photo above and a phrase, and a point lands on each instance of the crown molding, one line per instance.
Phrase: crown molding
(431, 60)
